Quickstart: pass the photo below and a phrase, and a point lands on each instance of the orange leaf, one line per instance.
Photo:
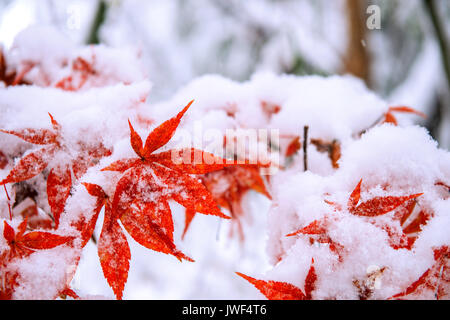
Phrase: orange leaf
(43, 240)
(310, 281)
(8, 232)
(136, 141)
(164, 132)
(389, 118)
(191, 161)
(126, 191)
(59, 183)
(407, 110)
(316, 227)
(415, 225)
(189, 215)
(95, 190)
(151, 226)
(274, 290)
(354, 197)
(114, 254)
(3, 161)
(381, 205)
(29, 166)
(122, 165)
(293, 147)
(189, 192)
(35, 136)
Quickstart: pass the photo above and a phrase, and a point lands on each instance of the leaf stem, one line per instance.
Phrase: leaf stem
(9, 202)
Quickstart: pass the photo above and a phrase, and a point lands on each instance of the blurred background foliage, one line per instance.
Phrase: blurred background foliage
(406, 61)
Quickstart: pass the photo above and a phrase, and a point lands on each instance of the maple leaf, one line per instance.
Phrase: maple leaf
(149, 223)
(238, 181)
(59, 181)
(293, 147)
(410, 225)
(275, 290)
(371, 208)
(3, 160)
(270, 109)
(376, 206)
(381, 205)
(171, 168)
(67, 292)
(114, 254)
(81, 70)
(317, 230)
(390, 118)
(436, 278)
(13, 77)
(22, 244)
(332, 148)
(8, 281)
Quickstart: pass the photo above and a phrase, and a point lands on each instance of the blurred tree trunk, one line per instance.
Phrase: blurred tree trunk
(356, 59)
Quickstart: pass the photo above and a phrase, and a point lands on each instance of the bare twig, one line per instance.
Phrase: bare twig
(94, 239)
(305, 147)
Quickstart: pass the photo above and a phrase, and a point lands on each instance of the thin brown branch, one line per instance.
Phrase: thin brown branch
(305, 147)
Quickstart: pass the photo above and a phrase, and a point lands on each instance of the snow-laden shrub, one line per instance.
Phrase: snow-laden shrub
(359, 206)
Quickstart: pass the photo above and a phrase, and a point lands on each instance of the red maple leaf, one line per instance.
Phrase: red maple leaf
(410, 225)
(59, 180)
(22, 243)
(68, 292)
(275, 290)
(238, 181)
(398, 239)
(165, 175)
(376, 206)
(333, 149)
(293, 147)
(3, 160)
(317, 230)
(390, 118)
(141, 198)
(81, 70)
(8, 282)
(436, 278)
(12, 77)
(270, 108)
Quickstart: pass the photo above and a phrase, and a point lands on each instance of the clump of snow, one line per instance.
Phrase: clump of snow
(61, 60)
(392, 161)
